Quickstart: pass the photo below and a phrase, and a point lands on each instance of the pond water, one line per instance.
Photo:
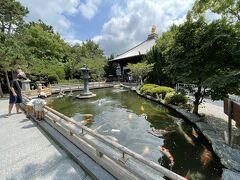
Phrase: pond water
(134, 122)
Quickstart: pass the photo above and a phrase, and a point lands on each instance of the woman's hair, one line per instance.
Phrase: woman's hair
(21, 75)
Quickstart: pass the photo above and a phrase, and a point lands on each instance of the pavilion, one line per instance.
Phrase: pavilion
(137, 53)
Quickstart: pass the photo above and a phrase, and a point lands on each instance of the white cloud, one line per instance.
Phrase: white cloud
(211, 16)
(89, 8)
(131, 23)
(71, 39)
(52, 12)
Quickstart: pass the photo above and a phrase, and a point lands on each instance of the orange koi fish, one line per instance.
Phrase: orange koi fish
(206, 157)
(87, 121)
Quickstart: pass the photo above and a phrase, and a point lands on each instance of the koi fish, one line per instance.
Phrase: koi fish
(105, 131)
(145, 151)
(194, 133)
(115, 130)
(194, 175)
(160, 132)
(130, 116)
(112, 138)
(188, 138)
(206, 157)
(87, 121)
(166, 152)
(142, 108)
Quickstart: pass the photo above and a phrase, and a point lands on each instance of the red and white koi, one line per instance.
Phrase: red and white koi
(167, 153)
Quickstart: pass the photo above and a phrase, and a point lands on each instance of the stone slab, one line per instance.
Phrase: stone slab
(26, 152)
(230, 175)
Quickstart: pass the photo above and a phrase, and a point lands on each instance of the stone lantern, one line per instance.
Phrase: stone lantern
(85, 76)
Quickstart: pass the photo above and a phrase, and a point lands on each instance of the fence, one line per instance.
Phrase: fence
(76, 87)
(189, 88)
(117, 159)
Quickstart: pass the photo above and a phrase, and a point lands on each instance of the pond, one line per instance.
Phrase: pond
(144, 127)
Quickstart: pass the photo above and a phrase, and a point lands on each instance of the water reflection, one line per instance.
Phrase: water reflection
(126, 118)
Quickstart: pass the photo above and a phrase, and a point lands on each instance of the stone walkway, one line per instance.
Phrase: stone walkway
(216, 118)
(26, 152)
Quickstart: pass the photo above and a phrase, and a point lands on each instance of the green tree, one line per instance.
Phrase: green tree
(202, 54)
(11, 15)
(140, 70)
(88, 53)
(11, 18)
(45, 51)
(91, 49)
(157, 56)
(229, 9)
(110, 68)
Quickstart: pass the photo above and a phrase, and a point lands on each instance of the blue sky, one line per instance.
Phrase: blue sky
(116, 25)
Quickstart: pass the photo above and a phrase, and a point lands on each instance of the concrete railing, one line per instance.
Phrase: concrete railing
(117, 159)
(76, 87)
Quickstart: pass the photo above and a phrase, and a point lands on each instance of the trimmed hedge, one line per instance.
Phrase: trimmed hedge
(147, 87)
(176, 99)
(155, 90)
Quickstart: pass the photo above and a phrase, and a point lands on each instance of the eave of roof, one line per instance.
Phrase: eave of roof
(139, 50)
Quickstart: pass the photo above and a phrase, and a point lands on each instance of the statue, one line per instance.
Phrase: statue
(154, 29)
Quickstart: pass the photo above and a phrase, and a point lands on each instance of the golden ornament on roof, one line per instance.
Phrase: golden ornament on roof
(153, 29)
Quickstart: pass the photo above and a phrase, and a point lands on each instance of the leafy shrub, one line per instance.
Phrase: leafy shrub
(147, 87)
(155, 90)
(175, 98)
(168, 97)
(53, 78)
(162, 90)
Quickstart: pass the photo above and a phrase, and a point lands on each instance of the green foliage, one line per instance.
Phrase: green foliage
(53, 78)
(213, 47)
(11, 15)
(155, 90)
(158, 57)
(227, 8)
(70, 81)
(11, 18)
(110, 69)
(162, 90)
(140, 70)
(96, 67)
(145, 87)
(175, 98)
(90, 54)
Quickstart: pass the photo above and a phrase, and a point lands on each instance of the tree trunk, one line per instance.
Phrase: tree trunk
(197, 100)
(1, 92)
(8, 82)
(71, 74)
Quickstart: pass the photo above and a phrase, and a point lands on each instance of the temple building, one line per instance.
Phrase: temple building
(137, 53)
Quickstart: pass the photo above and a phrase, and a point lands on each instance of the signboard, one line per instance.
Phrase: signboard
(235, 107)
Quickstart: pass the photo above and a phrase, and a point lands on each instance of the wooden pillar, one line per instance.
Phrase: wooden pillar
(229, 122)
